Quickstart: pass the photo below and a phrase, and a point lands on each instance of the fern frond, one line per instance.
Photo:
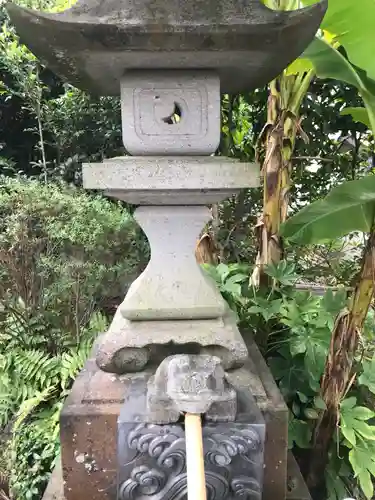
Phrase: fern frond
(4, 473)
(3, 495)
(98, 323)
(5, 362)
(7, 407)
(38, 368)
(47, 421)
(28, 406)
(71, 364)
(8, 399)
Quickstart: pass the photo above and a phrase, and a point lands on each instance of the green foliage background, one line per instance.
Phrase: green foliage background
(66, 258)
(299, 325)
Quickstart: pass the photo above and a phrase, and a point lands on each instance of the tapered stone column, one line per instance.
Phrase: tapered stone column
(172, 286)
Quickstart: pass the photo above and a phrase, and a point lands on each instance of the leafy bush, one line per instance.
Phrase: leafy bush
(33, 386)
(64, 255)
(299, 326)
(41, 133)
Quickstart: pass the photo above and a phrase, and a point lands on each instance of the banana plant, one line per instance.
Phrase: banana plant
(275, 149)
(342, 50)
(347, 25)
(326, 58)
(348, 208)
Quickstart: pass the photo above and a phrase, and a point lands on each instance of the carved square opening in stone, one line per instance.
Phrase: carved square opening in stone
(170, 112)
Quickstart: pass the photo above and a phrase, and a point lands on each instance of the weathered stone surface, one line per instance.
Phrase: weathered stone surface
(152, 460)
(275, 413)
(296, 487)
(173, 285)
(190, 384)
(170, 112)
(89, 428)
(233, 451)
(199, 180)
(55, 487)
(130, 345)
(88, 432)
(91, 44)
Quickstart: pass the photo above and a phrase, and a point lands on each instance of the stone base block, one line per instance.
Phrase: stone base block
(152, 457)
(89, 428)
(296, 487)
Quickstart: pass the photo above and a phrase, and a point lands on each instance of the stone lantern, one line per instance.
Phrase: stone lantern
(170, 60)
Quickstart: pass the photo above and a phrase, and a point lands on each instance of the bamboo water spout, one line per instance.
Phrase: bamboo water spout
(192, 385)
(196, 482)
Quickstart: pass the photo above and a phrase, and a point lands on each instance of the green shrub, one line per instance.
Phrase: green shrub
(64, 254)
(299, 325)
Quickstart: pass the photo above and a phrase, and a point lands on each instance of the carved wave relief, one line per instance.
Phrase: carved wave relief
(165, 479)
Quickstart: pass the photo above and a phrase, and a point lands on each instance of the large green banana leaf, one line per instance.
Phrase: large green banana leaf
(351, 25)
(359, 115)
(347, 208)
(352, 22)
(329, 62)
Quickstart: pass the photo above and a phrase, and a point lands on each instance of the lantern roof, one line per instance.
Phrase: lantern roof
(94, 42)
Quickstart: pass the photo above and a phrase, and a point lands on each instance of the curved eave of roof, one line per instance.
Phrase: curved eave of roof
(64, 40)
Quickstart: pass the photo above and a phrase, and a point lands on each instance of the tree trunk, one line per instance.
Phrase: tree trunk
(279, 135)
(338, 378)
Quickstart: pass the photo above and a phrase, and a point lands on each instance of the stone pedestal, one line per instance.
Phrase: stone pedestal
(173, 306)
(89, 427)
(173, 286)
(152, 457)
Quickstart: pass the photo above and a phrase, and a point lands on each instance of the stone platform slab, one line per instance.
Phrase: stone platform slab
(89, 428)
